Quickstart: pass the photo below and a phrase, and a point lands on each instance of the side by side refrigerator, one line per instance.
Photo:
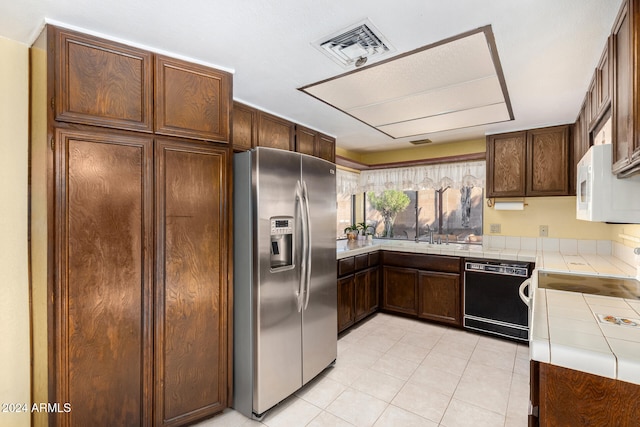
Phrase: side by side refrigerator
(285, 296)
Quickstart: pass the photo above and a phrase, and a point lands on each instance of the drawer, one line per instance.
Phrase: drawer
(362, 262)
(346, 266)
(447, 264)
(374, 259)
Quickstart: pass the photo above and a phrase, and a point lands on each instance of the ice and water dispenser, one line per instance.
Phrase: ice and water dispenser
(281, 242)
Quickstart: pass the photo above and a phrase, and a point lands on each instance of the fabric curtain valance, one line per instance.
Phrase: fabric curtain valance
(347, 183)
(414, 178)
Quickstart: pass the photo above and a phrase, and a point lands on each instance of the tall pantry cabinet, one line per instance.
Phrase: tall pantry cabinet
(129, 234)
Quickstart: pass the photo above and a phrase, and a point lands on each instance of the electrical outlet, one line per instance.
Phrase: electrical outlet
(495, 228)
(544, 231)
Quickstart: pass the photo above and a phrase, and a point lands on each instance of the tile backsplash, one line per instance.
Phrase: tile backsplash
(565, 247)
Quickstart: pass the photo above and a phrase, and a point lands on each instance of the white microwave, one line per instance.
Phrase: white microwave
(600, 195)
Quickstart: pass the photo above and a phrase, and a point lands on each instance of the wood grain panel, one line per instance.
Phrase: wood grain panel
(399, 290)
(574, 398)
(442, 263)
(361, 285)
(326, 147)
(191, 281)
(374, 289)
(275, 132)
(622, 96)
(346, 313)
(191, 100)
(103, 291)
(506, 165)
(439, 297)
(548, 160)
(102, 83)
(305, 140)
(245, 127)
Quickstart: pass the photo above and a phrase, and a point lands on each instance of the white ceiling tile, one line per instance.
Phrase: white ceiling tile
(459, 119)
(463, 96)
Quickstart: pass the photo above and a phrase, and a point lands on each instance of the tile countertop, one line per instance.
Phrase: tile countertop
(565, 327)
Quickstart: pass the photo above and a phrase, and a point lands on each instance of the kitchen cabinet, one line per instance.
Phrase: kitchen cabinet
(100, 82)
(424, 286)
(245, 127)
(130, 232)
(562, 396)
(439, 297)
(529, 163)
(191, 100)
(599, 89)
(275, 132)
(581, 144)
(626, 87)
(358, 288)
(309, 141)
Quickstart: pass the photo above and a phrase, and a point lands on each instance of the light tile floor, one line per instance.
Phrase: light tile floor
(393, 371)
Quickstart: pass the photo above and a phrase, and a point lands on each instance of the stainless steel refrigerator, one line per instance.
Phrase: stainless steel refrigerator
(285, 296)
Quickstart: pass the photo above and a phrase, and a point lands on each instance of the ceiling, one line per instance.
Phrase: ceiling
(548, 49)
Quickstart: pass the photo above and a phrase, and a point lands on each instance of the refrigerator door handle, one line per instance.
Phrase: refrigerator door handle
(303, 262)
(305, 197)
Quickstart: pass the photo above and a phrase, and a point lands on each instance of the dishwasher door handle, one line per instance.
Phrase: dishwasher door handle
(525, 298)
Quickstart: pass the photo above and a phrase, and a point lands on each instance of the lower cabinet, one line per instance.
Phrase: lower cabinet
(400, 289)
(439, 297)
(566, 397)
(424, 286)
(358, 289)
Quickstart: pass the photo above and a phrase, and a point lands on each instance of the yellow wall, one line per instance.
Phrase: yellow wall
(559, 213)
(424, 152)
(14, 285)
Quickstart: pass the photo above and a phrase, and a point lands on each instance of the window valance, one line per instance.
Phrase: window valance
(453, 175)
(347, 183)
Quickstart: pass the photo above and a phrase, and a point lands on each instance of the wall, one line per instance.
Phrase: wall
(559, 213)
(14, 285)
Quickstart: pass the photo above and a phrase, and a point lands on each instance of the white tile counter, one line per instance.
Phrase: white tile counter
(566, 331)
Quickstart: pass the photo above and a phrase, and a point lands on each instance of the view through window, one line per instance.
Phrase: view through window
(450, 213)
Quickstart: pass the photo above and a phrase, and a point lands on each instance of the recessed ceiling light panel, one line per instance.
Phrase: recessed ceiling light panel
(354, 44)
(451, 84)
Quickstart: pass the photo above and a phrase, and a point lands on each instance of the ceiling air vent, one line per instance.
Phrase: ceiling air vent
(421, 141)
(354, 45)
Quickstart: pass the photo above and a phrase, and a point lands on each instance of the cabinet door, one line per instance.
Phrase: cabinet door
(275, 132)
(580, 138)
(101, 82)
(346, 309)
(102, 299)
(622, 96)
(191, 100)
(439, 297)
(305, 140)
(374, 290)
(361, 285)
(245, 127)
(506, 165)
(326, 147)
(399, 290)
(548, 161)
(191, 281)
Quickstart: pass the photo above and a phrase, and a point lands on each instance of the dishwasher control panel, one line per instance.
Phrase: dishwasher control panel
(508, 269)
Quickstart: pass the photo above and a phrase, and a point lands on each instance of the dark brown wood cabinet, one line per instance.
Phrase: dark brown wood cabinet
(275, 132)
(439, 297)
(102, 294)
(191, 100)
(624, 53)
(424, 286)
(131, 232)
(326, 147)
(566, 397)
(581, 143)
(306, 140)
(190, 306)
(400, 290)
(358, 288)
(599, 90)
(531, 163)
(101, 83)
(245, 127)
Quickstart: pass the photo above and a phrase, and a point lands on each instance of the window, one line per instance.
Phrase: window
(450, 213)
(345, 215)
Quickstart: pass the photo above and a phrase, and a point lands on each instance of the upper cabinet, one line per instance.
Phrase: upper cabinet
(529, 163)
(599, 89)
(101, 82)
(275, 132)
(256, 128)
(626, 90)
(191, 100)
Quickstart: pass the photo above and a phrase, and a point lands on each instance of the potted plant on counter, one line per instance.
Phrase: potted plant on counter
(352, 232)
(363, 228)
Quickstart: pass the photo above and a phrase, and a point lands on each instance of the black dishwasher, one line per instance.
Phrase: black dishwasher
(491, 300)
